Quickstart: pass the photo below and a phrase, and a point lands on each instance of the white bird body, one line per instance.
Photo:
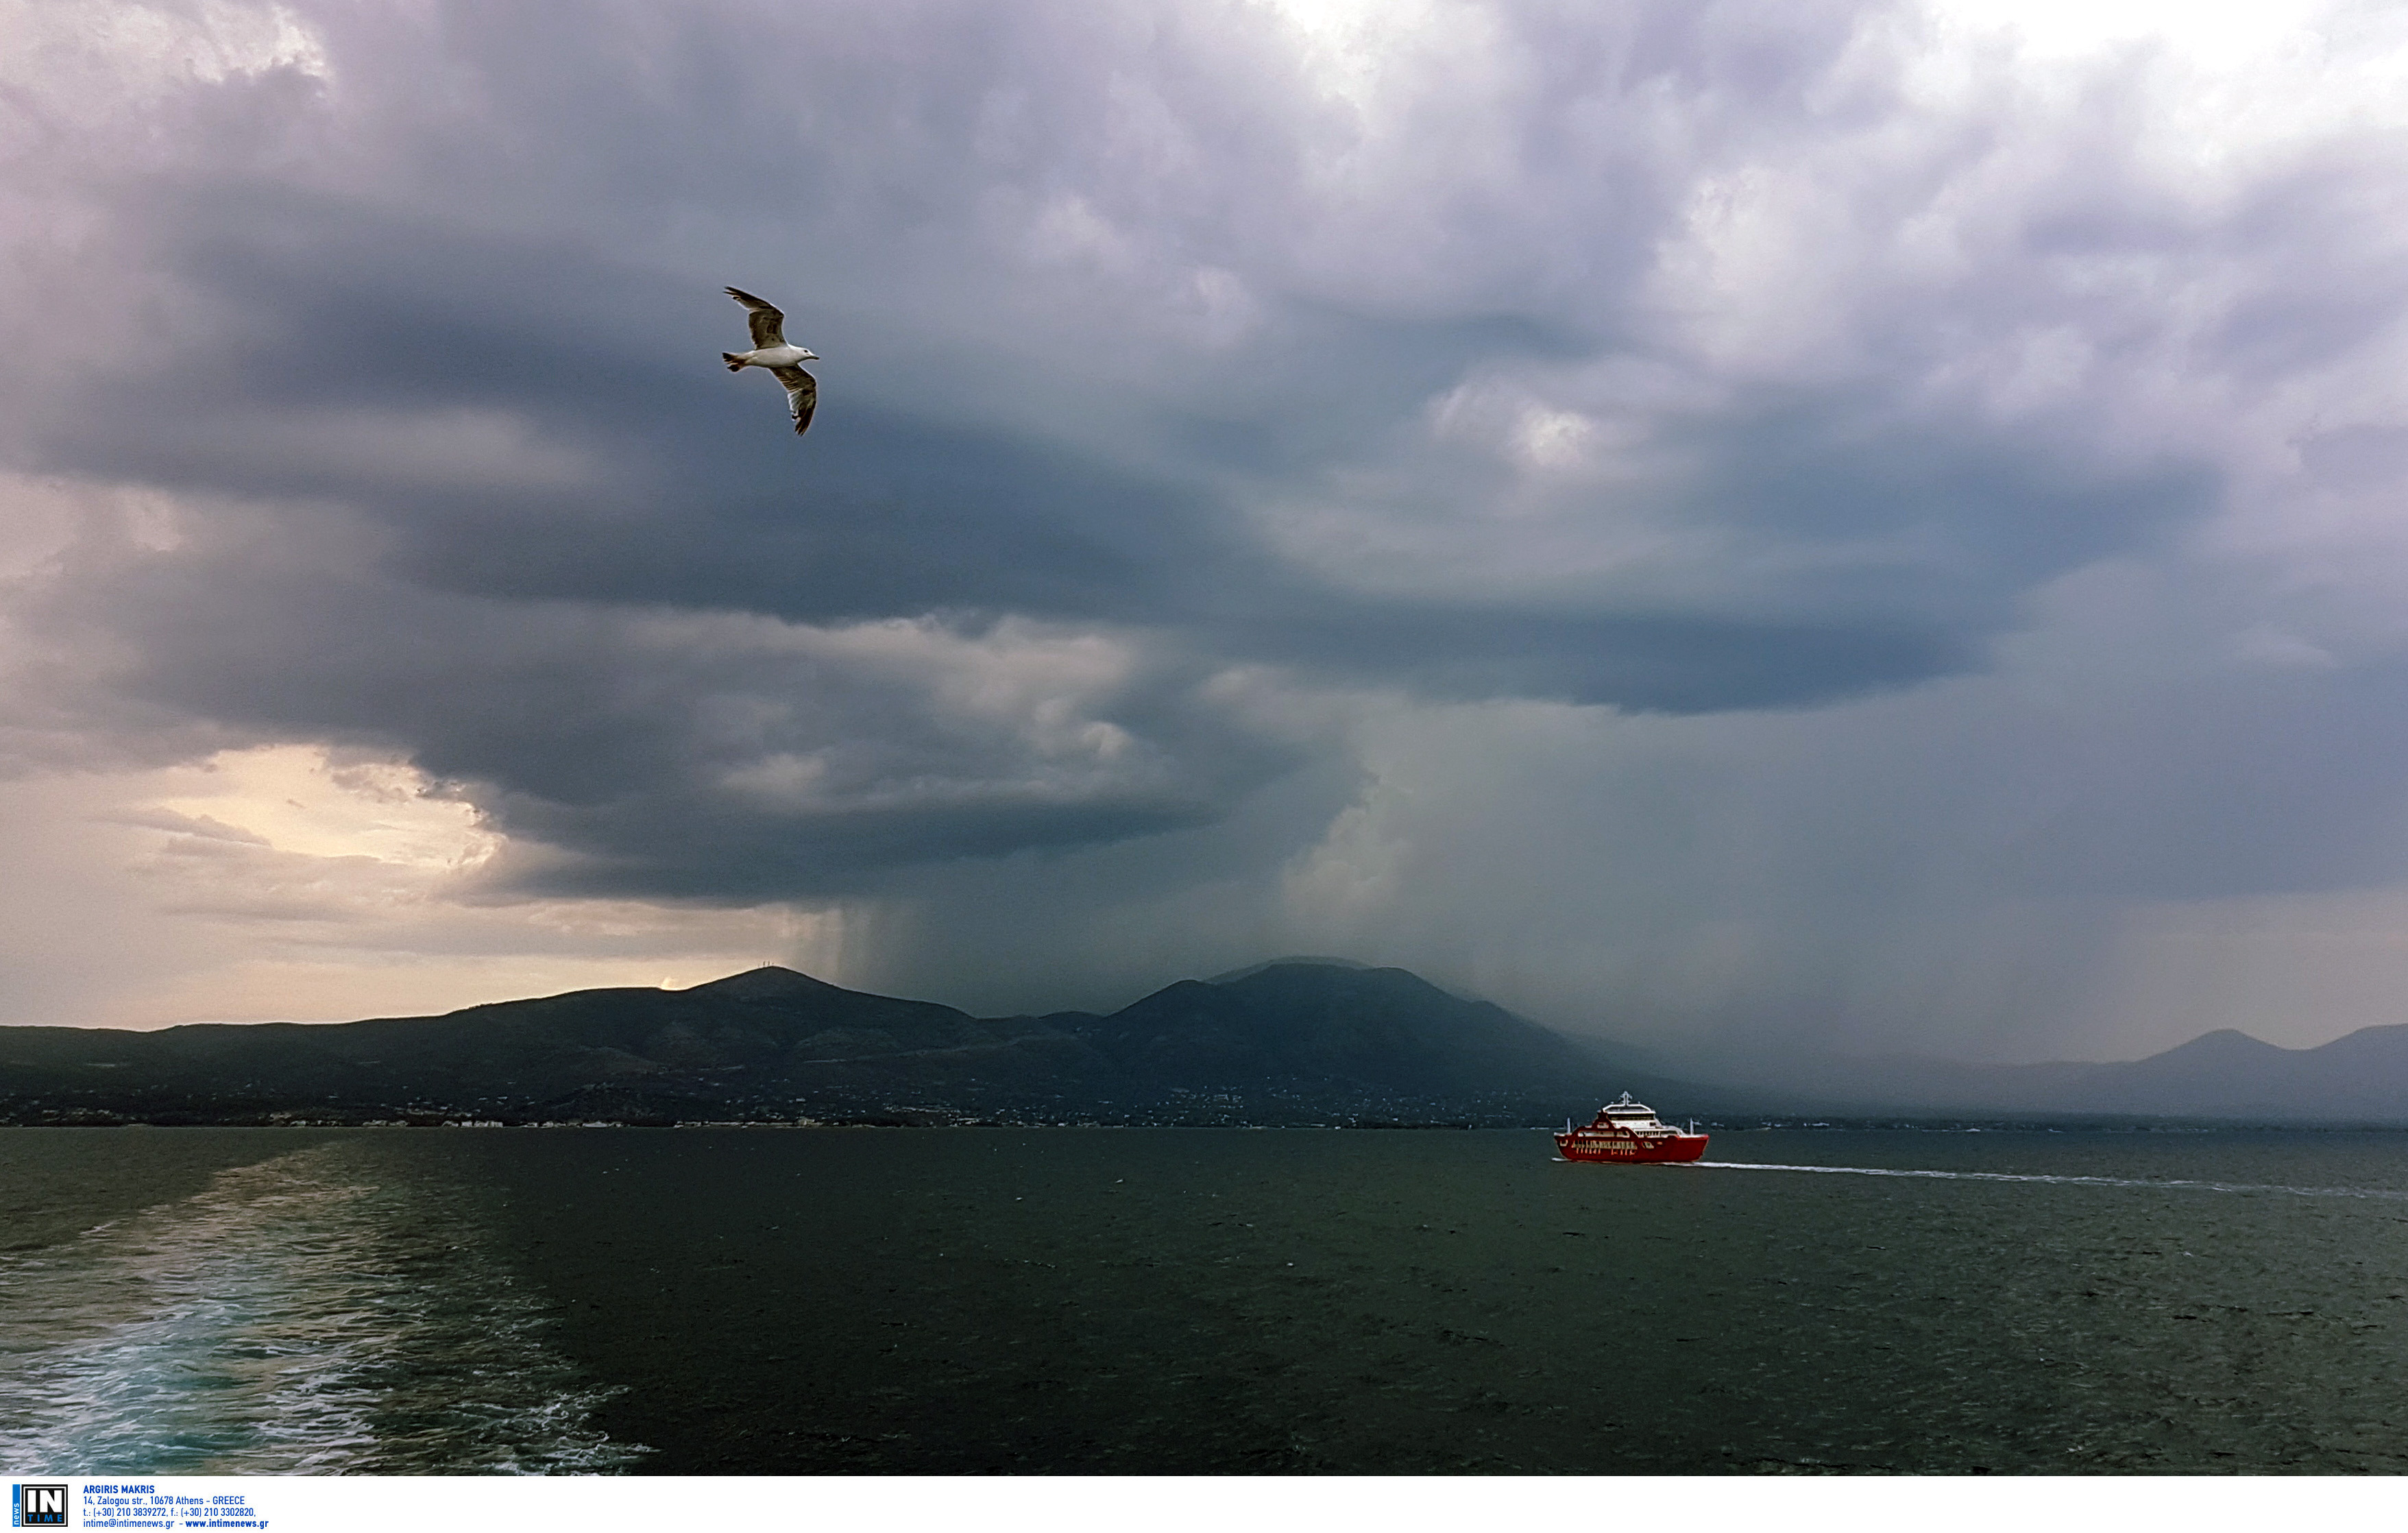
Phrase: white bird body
(774, 356)
(783, 359)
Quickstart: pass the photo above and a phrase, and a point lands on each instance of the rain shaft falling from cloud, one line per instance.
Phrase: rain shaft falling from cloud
(1830, 525)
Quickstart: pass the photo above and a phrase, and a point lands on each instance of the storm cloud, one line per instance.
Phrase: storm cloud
(1827, 505)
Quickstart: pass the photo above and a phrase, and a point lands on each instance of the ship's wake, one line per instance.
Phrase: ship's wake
(2174, 1183)
(303, 1315)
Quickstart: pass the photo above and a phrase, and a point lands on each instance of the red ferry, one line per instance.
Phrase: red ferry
(1628, 1131)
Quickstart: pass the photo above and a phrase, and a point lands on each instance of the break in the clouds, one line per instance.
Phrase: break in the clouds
(1840, 523)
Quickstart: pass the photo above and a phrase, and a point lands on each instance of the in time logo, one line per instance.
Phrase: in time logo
(37, 1506)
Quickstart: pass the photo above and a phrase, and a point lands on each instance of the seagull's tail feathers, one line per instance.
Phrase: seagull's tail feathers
(735, 363)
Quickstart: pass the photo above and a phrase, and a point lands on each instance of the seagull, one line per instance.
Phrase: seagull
(770, 350)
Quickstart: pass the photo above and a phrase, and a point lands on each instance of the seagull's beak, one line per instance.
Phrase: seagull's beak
(810, 355)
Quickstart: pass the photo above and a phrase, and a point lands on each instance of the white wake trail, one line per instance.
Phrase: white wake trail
(2059, 1181)
(307, 1314)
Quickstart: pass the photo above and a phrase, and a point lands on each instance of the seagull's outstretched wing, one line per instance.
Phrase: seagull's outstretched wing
(768, 323)
(802, 392)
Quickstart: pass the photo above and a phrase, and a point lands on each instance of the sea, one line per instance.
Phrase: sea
(599, 1301)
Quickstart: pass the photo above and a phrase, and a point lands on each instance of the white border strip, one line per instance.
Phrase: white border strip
(2007, 1504)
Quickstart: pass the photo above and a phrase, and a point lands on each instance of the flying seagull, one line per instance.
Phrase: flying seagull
(770, 350)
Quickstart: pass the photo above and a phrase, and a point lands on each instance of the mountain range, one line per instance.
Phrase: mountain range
(1290, 1041)
(1294, 1040)
(2223, 1076)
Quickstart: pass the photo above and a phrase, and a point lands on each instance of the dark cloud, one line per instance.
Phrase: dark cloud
(1191, 377)
(716, 754)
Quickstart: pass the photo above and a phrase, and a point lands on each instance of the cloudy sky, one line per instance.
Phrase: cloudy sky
(1775, 525)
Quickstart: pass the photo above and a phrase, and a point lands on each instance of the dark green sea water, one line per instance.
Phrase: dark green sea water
(1149, 1301)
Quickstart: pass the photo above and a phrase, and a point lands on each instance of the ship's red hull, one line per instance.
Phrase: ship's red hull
(1629, 1148)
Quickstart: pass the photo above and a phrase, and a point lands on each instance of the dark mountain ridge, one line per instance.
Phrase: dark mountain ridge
(1294, 1040)
(1310, 1022)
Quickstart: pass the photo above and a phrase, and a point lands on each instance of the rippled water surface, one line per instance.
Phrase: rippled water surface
(723, 1301)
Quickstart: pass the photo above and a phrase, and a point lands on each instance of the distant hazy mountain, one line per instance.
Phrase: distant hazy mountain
(1292, 1040)
(2223, 1076)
